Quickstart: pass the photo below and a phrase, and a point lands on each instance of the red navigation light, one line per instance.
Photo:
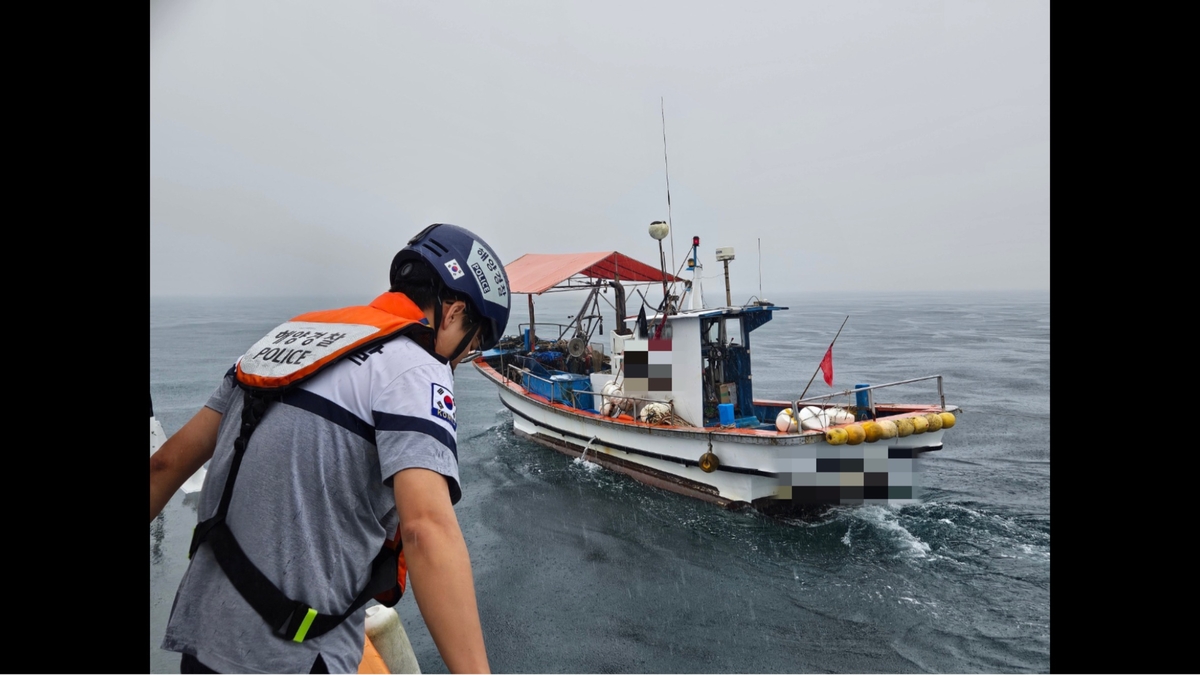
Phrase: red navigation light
(695, 241)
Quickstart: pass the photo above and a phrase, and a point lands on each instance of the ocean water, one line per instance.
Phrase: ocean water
(578, 569)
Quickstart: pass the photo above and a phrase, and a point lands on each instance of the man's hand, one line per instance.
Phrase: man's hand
(440, 569)
(181, 456)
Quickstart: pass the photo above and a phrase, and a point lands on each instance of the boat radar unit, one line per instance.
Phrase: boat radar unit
(725, 254)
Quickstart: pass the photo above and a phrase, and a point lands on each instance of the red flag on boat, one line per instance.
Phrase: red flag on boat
(827, 366)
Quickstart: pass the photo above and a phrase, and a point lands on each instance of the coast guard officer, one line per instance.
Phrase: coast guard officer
(335, 466)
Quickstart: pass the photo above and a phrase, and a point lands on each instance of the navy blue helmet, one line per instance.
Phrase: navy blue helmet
(467, 265)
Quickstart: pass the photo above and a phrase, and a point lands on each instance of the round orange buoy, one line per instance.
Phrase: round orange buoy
(920, 424)
(947, 419)
(855, 434)
(904, 427)
(709, 462)
(873, 431)
(836, 436)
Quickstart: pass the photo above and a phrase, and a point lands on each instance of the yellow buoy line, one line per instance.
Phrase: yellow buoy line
(874, 430)
(870, 431)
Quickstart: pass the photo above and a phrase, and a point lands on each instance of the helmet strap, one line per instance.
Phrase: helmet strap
(465, 341)
(437, 327)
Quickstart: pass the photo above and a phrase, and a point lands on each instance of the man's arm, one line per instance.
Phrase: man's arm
(181, 456)
(440, 568)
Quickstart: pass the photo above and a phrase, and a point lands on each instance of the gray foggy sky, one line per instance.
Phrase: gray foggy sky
(294, 147)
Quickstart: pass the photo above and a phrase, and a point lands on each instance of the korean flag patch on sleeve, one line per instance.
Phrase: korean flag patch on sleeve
(442, 404)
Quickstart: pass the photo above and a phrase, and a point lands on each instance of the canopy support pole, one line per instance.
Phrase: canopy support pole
(532, 330)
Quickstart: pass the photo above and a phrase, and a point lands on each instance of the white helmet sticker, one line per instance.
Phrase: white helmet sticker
(489, 275)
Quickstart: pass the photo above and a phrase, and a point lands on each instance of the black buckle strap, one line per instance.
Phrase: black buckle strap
(298, 623)
(304, 621)
(289, 619)
(254, 407)
(200, 533)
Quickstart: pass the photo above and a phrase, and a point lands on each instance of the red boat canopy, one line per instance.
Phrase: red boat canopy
(536, 273)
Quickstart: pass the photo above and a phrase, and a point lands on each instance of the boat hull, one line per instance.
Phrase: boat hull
(769, 470)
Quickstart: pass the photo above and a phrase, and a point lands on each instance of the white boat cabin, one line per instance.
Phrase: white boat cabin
(696, 361)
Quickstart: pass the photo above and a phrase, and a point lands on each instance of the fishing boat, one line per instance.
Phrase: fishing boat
(668, 398)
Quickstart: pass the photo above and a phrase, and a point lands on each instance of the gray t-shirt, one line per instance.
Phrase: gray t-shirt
(313, 503)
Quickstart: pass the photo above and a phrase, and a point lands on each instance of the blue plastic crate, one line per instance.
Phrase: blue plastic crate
(561, 387)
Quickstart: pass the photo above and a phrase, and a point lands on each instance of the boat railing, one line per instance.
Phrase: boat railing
(572, 395)
(562, 329)
(870, 391)
(568, 392)
(596, 347)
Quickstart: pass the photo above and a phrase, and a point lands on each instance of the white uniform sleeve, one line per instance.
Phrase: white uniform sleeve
(415, 425)
(223, 395)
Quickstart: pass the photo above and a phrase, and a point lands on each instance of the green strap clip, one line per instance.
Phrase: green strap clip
(305, 625)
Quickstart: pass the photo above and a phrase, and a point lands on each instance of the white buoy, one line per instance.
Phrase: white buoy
(613, 393)
(654, 412)
(387, 635)
(785, 421)
(813, 418)
(839, 416)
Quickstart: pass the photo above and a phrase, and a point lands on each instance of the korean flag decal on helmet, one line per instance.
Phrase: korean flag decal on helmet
(455, 270)
(442, 404)
(489, 275)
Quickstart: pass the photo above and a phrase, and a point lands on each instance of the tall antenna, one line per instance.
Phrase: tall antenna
(760, 297)
(667, 171)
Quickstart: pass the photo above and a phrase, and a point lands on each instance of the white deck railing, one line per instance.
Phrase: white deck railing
(797, 404)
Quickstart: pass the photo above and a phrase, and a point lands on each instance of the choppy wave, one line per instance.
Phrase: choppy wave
(583, 569)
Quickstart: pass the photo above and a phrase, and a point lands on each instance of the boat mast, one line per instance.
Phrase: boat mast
(667, 173)
(659, 230)
(697, 270)
(532, 331)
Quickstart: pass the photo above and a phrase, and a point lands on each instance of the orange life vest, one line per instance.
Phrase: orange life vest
(298, 349)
